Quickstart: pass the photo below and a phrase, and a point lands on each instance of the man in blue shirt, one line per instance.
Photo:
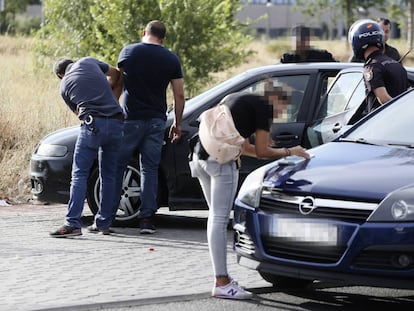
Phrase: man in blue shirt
(86, 88)
(147, 69)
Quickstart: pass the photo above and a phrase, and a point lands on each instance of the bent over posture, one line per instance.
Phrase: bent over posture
(252, 114)
(87, 91)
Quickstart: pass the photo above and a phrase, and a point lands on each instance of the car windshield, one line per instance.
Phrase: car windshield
(393, 125)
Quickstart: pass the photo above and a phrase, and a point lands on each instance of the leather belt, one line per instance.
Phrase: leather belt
(118, 116)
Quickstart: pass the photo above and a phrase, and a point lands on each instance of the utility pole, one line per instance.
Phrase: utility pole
(269, 22)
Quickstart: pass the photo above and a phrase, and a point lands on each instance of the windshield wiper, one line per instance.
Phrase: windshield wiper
(411, 146)
(360, 140)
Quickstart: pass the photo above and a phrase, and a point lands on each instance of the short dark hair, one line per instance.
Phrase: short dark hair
(61, 65)
(156, 28)
(384, 20)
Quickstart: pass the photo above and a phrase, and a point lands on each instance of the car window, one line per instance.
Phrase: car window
(294, 86)
(358, 96)
(382, 127)
(340, 93)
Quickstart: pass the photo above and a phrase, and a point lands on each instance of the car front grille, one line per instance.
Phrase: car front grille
(325, 209)
(282, 205)
(302, 251)
(243, 242)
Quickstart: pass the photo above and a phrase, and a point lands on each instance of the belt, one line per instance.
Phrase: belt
(200, 151)
(118, 116)
(89, 119)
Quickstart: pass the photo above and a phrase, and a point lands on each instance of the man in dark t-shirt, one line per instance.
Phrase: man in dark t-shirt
(147, 69)
(86, 91)
(303, 52)
(389, 50)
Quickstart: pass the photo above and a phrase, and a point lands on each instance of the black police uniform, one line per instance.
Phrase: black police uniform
(382, 71)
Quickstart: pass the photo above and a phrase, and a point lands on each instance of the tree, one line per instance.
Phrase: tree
(403, 13)
(204, 34)
(8, 15)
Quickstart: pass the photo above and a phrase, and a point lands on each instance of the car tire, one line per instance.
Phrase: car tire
(130, 195)
(284, 282)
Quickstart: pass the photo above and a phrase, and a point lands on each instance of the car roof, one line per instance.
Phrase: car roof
(302, 66)
(289, 68)
(410, 71)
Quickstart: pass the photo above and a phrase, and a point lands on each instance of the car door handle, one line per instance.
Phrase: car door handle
(286, 137)
(336, 128)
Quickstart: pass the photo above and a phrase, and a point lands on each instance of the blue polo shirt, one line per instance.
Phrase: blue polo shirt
(148, 70)
(86, 90)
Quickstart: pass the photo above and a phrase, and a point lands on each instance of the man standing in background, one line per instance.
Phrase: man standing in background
(388, 49)
(303, 51)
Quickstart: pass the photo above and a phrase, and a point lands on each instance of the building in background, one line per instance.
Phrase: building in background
(281, 16)
(277, 18)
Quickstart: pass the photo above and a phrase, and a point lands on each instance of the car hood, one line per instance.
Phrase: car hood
(65, 136)
(347, 170)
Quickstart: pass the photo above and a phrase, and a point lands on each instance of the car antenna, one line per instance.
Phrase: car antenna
(402, 57)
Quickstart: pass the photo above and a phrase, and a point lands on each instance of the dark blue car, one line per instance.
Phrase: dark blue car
(346, 215)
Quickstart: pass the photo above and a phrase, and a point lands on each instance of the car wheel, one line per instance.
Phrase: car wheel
(285, 282)
(130, 194)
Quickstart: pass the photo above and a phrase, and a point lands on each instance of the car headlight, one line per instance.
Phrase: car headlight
(251, 189)
(398, 206)
(51, 150)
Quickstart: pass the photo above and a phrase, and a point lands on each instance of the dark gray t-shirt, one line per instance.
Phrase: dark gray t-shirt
(86, 90)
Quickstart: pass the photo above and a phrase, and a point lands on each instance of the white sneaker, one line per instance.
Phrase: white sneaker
(231, 291)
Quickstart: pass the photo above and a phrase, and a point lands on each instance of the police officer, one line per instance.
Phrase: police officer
(384, 77)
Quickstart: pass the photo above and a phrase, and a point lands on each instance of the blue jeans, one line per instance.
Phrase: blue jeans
(102, 140)
(219, 185)
(146, 136)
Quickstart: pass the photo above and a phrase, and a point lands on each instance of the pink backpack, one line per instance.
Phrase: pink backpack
(218, 134)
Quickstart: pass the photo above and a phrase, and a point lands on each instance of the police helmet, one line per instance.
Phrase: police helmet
(365, 33)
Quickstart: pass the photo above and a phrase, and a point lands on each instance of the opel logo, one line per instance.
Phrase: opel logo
(307, 205)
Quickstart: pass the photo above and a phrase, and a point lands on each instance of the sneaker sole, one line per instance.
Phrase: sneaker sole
(232, 297)
(107, 232)
(147, 231)
(66, 235)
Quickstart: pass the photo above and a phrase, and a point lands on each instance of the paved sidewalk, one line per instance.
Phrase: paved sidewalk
(39, 272)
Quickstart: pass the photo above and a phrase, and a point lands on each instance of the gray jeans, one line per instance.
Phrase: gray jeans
(219, 185)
